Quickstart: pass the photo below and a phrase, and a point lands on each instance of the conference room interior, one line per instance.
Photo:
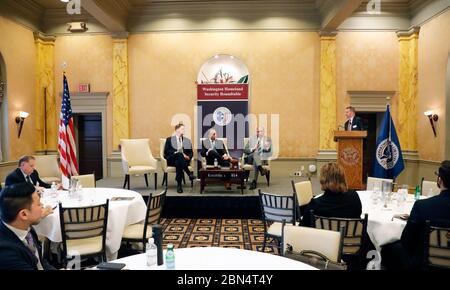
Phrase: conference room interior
(139, 72)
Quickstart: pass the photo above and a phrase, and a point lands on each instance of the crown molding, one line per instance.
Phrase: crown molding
(328, 33)
(407, 33)
(44, 37)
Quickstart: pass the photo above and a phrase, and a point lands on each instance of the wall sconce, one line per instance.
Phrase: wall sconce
(20, 119)
(433, 118)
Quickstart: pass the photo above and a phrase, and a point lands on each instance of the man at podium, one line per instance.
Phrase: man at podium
(353, 123)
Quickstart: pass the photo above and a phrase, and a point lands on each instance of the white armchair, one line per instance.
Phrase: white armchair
(170, 169)
(375, 182)
(86, 180)
(48, 168)
(137, 159)
(325, 242)
(249, 167)
(429, 188)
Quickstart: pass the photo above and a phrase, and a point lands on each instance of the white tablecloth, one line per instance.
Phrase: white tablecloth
(213, 258)
(381, 226)
(120, 214)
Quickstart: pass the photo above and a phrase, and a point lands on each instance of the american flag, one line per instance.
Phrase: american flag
(66, 139)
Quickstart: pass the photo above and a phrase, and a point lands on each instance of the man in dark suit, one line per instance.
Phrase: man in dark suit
(26, 173)
(20, 209)
(178, 153)
(353, 123)
(212, 149)
(408, 252)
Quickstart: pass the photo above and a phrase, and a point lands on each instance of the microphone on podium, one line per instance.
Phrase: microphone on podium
(341, 127)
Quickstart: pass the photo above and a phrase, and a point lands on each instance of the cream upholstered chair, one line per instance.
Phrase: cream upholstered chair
(48, 168)
(141, 232)
(325, 242)
(437, 246)
(137, 159)
(276, 210)
(374, 181)
(429, 188)
(203, 160)
(304, 193)
(249, 167)
(83, 231)
(170, 169)
(86, 180)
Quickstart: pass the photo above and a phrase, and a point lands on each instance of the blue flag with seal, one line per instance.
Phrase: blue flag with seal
(388, 155)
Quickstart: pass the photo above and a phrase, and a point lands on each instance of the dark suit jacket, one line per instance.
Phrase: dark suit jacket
(357, 124)
(170, 148)
(334, 204)
(435, 209)
(219, 147)
(17, 177)
(14, 255)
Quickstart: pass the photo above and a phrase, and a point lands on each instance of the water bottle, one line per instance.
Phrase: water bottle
(417, 193)
(151, 251)
(170, 257)
(216, 163)
(54, 190)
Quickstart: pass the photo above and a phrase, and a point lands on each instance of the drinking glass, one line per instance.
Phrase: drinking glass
(375, 195)
(386, 192)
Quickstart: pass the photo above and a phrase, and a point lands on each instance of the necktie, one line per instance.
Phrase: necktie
(180, 145)
(30, 242)
(29, 179)
(30, 245)
(349, 125)
(259, 146)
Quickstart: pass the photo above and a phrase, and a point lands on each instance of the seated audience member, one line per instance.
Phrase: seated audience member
(257, 152)
(26, 173)
(178, 153)
(212, 149)
(20, 209)
(407, 254)
(337, 200)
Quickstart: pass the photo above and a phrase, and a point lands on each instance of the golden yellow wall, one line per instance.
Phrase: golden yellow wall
(18, 50)
(284, 70)
(89, 60)
(434, 48)
(366, 61)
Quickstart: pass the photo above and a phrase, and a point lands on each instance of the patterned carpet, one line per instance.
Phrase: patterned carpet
(236, 233)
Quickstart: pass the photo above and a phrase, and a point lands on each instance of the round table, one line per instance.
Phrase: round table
(213, 258)
(121, 213)
(382, 227)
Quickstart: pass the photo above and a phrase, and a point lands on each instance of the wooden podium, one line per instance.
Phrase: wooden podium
(350, 156)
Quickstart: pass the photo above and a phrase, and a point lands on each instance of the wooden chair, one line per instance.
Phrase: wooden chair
(141, 232)
(437, 246)
(355, 238)
(276, 209)
(83, 231)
